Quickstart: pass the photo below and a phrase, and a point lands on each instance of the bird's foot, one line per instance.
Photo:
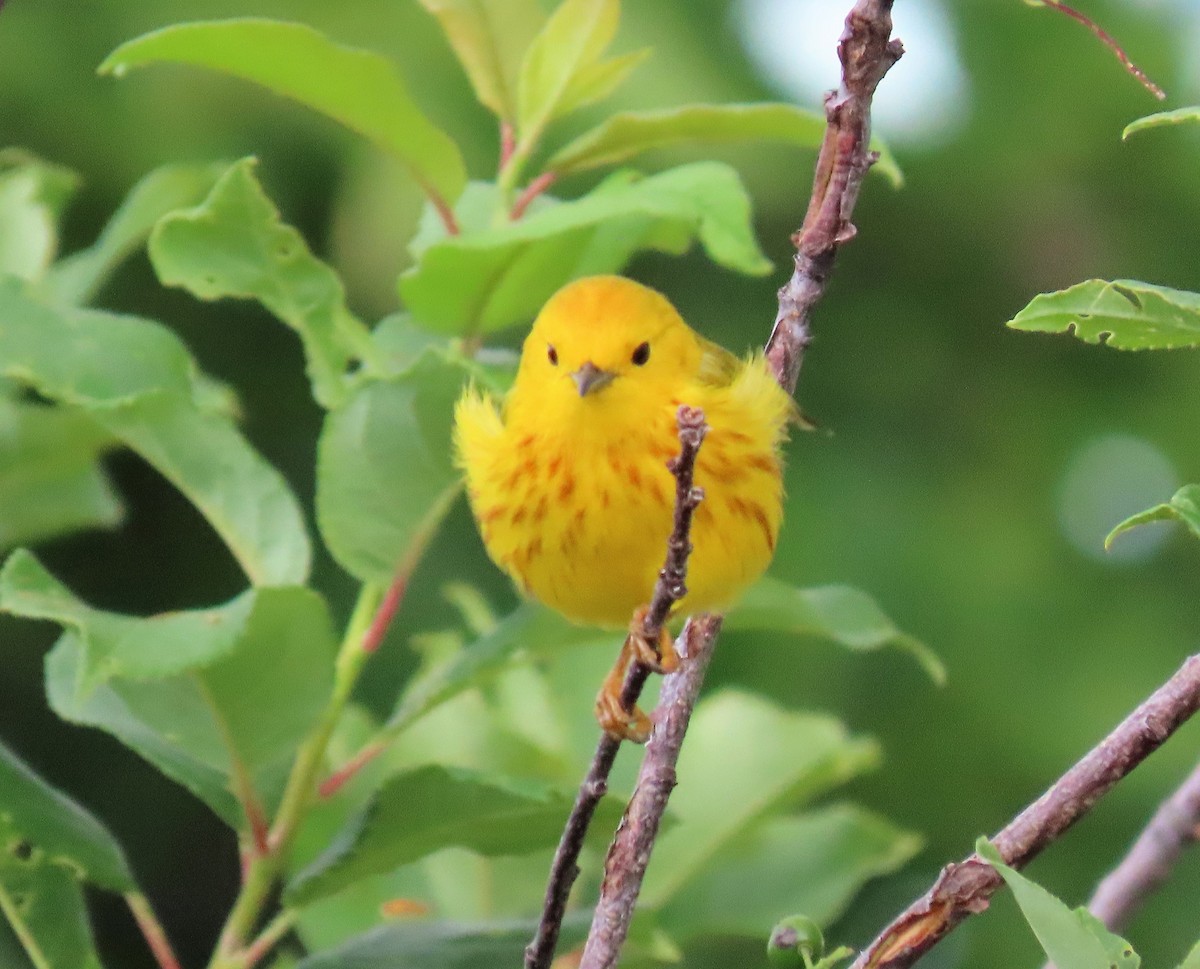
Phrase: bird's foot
(658, 657)
(615, 718)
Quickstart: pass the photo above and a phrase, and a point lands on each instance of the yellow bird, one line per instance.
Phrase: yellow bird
(569, 482)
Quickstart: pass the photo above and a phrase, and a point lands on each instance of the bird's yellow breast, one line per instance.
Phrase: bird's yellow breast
(572, 492)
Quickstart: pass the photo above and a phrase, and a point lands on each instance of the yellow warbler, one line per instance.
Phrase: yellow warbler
(569, 480)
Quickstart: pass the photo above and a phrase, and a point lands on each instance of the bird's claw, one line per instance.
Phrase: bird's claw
(630, 723)
(658, 657)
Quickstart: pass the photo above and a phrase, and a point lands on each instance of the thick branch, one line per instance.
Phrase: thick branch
(630, 851)
(867, 53)
(963, 889)
(668, 590)
(1175, 825)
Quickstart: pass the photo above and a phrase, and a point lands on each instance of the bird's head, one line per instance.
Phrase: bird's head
(608, 343)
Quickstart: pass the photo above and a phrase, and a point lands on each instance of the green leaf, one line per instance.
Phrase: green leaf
(232, 689)
(490, 38)
(54, 830)
(45, 905)
(136, 380)
(1184, 506)
(1192, 959)
(51, 481)
(629, 133)
(774, 759)
(385, 478)
(441, 945)
(424, 810)
(1072, 939)
(572, 40)
(1162, 119)
(1124, 313)
(235, 245)
(530, 626)
(76, 279)
(122, 708)
(357, 88)
(33, 194)
(597, 81)
(279, 639)
(847, 616)
(483, 281)
(814, 863)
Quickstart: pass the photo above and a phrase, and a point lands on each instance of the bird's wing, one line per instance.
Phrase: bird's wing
(718, 367)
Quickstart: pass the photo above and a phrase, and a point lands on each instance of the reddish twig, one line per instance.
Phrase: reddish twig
(152, 931)
(625, 866)
(443, 209)
(373, 638)
(669, 589)
(1110, 42)
(867, 52)
(508, 144)
(964, 889)
(334, 782)
(532, 191)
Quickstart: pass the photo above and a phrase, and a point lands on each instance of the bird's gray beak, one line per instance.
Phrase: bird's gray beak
(589, 378)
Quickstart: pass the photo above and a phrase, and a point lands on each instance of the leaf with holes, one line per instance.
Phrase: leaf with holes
(1125, 314)
(1184, 506)
(40, 824)
(356, 88)
(44, 905)
(235, 245)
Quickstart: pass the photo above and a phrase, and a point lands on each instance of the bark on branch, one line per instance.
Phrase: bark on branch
(867, 52)
(964, 889)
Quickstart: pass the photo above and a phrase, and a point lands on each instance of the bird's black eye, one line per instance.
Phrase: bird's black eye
(641, 354)
(552, 354)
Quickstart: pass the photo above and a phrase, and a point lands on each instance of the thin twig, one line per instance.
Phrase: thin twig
(1111, 43)
(269, 937)
(963, 889)
(668, 590)
(867, 52)
(374, 636)
(629, 854)
(1175, 825)
(152, 931)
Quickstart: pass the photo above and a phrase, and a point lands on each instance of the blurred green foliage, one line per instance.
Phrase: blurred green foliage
(940, 488)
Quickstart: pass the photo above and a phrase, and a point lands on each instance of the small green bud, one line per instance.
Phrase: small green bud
(795, 942)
